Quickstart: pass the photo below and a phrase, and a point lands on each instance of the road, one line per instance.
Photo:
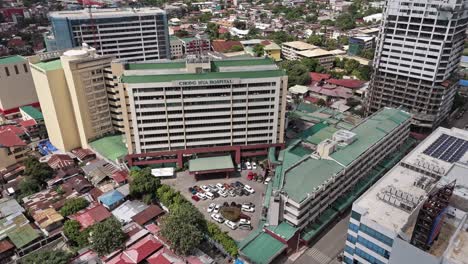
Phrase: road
(328, 247)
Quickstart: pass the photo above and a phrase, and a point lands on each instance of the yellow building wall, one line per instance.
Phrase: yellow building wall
(5, 159)
(274, 54)
(56, 106)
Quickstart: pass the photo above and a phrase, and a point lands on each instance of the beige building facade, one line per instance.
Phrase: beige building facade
(17, 87)
(73, 90)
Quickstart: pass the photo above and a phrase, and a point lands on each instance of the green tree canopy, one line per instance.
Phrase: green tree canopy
(351, 65)
(107, 236)
(297, 73)
(36, 170)
(316, 40)
(236, 48)
(345, 21)
(143, 183)
(73, 205)
(77, 238)
(280, 37)
(47, 256)
(183, 227)
(258, 50)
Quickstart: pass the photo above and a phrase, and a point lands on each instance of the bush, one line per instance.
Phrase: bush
(77, 238)
(223, 238)
(73, 205)
(231, 213)
(143, 184)
(46, 256)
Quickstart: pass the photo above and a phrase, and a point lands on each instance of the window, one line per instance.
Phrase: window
(351, 239)
(349, 249)
(25, 67)
(347, 260)
(372, 246)
(353, 227)
(367, 257)
(355, 216)
(7, 72)
(371, 232)
(16, 69)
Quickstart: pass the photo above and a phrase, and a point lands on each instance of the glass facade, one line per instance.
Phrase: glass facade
(378, 236)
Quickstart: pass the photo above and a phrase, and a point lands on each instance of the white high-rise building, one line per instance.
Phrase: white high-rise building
(129, 34)
(419, 47)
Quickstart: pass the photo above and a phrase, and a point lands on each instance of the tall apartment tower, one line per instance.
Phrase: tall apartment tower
(73, 92)
(419, 47)
(128, 34)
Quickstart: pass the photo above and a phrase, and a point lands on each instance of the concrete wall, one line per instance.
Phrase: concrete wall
(17, 89)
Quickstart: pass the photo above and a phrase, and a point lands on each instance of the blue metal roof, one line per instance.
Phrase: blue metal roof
(464, 59)
(464, 82)
(111, 198)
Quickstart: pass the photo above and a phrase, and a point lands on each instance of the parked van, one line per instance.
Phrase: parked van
(209, 195)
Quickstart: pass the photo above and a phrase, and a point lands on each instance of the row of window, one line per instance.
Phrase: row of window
(7, 70)
(372, 246)
(367, 257)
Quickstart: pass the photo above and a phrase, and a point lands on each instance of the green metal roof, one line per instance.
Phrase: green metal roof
(23, 235)
(111, 147)
(283, 230)
(32, 112)
(310, 173)
(156, 66)
(211, 163)
(12, 59)
(49, 65)
(263, 249)
(245, 62)
(370, 132)
(201, 76)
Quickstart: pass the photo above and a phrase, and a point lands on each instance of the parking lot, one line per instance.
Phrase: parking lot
(183, 181)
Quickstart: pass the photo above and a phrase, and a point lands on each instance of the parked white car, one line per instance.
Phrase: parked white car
(220, 187)
(223, 194)
(211, 207)
(247, 165)
(205, 188)
(209, 195)
(254, 165)
(216, 209)
(201, 195)
(231, 224)
(243, 221)
(267, 180)
(247, 208)
(249, 189)
(218, 218)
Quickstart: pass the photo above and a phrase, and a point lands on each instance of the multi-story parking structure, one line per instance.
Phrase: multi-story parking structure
(130, 34)
(418, 50)
(197, 103)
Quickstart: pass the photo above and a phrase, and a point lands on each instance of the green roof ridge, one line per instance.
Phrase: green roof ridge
(12, 59)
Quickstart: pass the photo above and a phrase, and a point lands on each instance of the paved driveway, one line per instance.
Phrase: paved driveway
(183, 181)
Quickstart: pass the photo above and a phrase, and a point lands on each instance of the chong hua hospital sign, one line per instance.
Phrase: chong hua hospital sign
(205, 82)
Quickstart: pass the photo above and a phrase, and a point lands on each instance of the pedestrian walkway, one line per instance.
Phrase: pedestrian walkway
(318, 256)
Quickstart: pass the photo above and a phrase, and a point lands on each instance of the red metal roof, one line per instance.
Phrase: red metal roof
(59, 161)
(317, 77)
(10, 139)
(5, 245)
(15, 129)
(164, 256)
(91, 216)
(348, 83)
(83, 153)
(221, 45)
(148, 214)
(311, 99)
(120, 176)
(138, 251)
(28, 123)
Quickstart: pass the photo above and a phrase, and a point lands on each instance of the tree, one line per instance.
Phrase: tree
(280, 37)
(297, 73)
(351, 65)
(181, 33)
(28, 186)
(258, 50)
(212, 30)
(331, 44)
(367, 54)
(47, 256)
(364, 72)
(107, 236)
(316, 40)
(321, 102)
(239, 24)
(143, 183)
(183, 227)
(73, 205)
(312, 64)
(205, 17)
(236, 48)
(78, 238)
(36, 170)
(345, 21)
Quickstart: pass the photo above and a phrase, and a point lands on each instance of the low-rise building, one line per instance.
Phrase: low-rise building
(13, 145)
(177, 50)
(325, 57)
(338, 163)
(290, 50)
(357, 44)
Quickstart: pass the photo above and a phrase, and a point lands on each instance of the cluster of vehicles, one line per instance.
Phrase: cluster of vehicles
(247, 165)
(244, 221)
(213, 191)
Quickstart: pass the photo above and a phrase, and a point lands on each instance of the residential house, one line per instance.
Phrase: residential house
(91, 215)
(111, 199)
